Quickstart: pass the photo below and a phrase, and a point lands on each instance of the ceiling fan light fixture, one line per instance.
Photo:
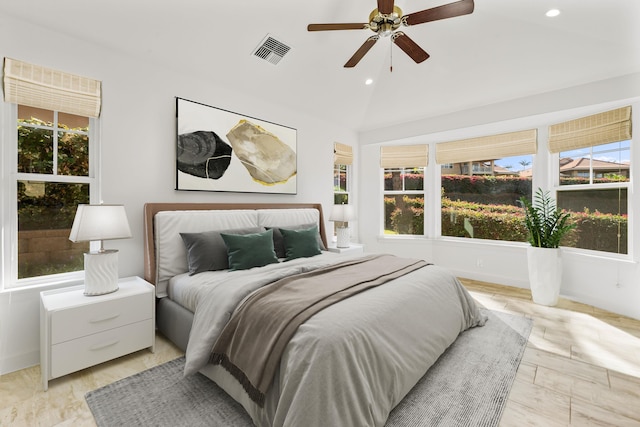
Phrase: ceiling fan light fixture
(385, 29)
(384, 24)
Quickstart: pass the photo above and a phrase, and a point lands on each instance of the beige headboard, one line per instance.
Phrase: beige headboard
(151, 209)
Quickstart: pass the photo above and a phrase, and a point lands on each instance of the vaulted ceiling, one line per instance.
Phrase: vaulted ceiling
(505, 49)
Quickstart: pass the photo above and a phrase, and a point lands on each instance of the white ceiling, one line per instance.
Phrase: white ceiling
(505, 49)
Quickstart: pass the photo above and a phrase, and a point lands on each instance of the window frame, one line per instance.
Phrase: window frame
(422, 193)
(348, 178)
(556, 187)
(9, 178)
(493, 165)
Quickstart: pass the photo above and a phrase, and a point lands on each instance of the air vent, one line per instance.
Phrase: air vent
(271, 50)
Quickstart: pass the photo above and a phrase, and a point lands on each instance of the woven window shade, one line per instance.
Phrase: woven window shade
(602, 128)
(404, 156)
(36, 86)
(488, 147)
(342, 154)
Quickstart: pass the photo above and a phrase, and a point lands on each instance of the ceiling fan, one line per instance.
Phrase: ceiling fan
(387, 18)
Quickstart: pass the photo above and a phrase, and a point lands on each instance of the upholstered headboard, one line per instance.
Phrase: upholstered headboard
(175, 218)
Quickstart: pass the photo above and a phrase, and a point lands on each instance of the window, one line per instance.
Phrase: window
(403, 195)
(481, 191)
(594, 163)
(404, 201)
(49, 151)
(52, 179)
(342, 160)
(341, 184)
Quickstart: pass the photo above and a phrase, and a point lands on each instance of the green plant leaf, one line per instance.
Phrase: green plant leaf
(545, 223)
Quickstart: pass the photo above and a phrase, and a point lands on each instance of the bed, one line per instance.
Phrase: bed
(349, 362)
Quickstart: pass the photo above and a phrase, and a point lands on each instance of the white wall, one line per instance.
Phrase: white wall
(608, 282)
(138, 151)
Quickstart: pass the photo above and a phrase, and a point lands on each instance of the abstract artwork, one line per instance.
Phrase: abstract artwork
(218, 150)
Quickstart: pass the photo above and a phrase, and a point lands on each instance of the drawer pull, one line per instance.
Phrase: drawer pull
(105, 345)
(104, 319)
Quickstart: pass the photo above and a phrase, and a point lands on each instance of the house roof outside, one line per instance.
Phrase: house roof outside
(582, 164)
(568, 164)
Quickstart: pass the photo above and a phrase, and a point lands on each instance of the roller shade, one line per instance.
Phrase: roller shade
(488, 147)
(404, 156)
(598, 129)
(342, 154)
(40, 87)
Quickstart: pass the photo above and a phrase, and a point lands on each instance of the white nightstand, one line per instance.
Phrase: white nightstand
(353, 249)
(78, 331)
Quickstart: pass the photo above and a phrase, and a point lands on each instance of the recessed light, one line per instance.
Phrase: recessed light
(552, 12)
(368, 82)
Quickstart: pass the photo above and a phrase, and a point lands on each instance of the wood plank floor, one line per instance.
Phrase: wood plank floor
(581, 367)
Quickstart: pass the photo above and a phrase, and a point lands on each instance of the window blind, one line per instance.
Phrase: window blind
(488, 147)
(602, 128)
(36, 86)
(404, 156)
(342, 154)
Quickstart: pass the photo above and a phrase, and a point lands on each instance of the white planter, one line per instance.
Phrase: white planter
(545, 274)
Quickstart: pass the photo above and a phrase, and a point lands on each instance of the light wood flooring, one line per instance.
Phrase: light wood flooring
(581, 367)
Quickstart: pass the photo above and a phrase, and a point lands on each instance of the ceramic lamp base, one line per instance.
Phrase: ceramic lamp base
(343, 237)
(100, 272)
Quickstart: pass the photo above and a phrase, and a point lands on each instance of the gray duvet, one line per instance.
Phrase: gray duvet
(351, 363)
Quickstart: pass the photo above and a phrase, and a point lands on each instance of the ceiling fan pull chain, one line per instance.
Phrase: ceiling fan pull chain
(391, 57)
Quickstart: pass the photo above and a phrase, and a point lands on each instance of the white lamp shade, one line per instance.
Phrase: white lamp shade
(342, 213)
(100, 222)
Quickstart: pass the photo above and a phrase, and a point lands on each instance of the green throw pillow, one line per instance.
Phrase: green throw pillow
(249, 250)
(300, 243)
(278, 240)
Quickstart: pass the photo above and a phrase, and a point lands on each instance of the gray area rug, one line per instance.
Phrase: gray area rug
(468, 386)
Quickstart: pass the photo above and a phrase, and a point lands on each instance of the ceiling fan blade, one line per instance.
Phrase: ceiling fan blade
(360, 53)
(385, 6)
(330, 27)
(410, 47)
(462, 7)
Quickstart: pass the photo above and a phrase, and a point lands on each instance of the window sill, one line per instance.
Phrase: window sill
(595, 255)
(402, 237)
(457, 241)
(44, 283)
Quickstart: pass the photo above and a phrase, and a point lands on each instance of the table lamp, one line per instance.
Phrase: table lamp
(100, 222)
(341, 215)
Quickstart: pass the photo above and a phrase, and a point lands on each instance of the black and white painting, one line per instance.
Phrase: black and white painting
(218, 150)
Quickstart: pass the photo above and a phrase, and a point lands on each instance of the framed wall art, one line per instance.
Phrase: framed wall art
(219, 150)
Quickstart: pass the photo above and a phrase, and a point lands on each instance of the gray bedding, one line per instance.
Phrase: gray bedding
(352, 362)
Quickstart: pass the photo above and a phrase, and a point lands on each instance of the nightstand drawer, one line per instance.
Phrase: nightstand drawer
(87, 351)
(89, 319)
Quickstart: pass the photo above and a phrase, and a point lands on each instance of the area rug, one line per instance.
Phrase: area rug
(468, 386)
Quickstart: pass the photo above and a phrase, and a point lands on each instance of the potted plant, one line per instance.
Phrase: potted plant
(547, 225)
